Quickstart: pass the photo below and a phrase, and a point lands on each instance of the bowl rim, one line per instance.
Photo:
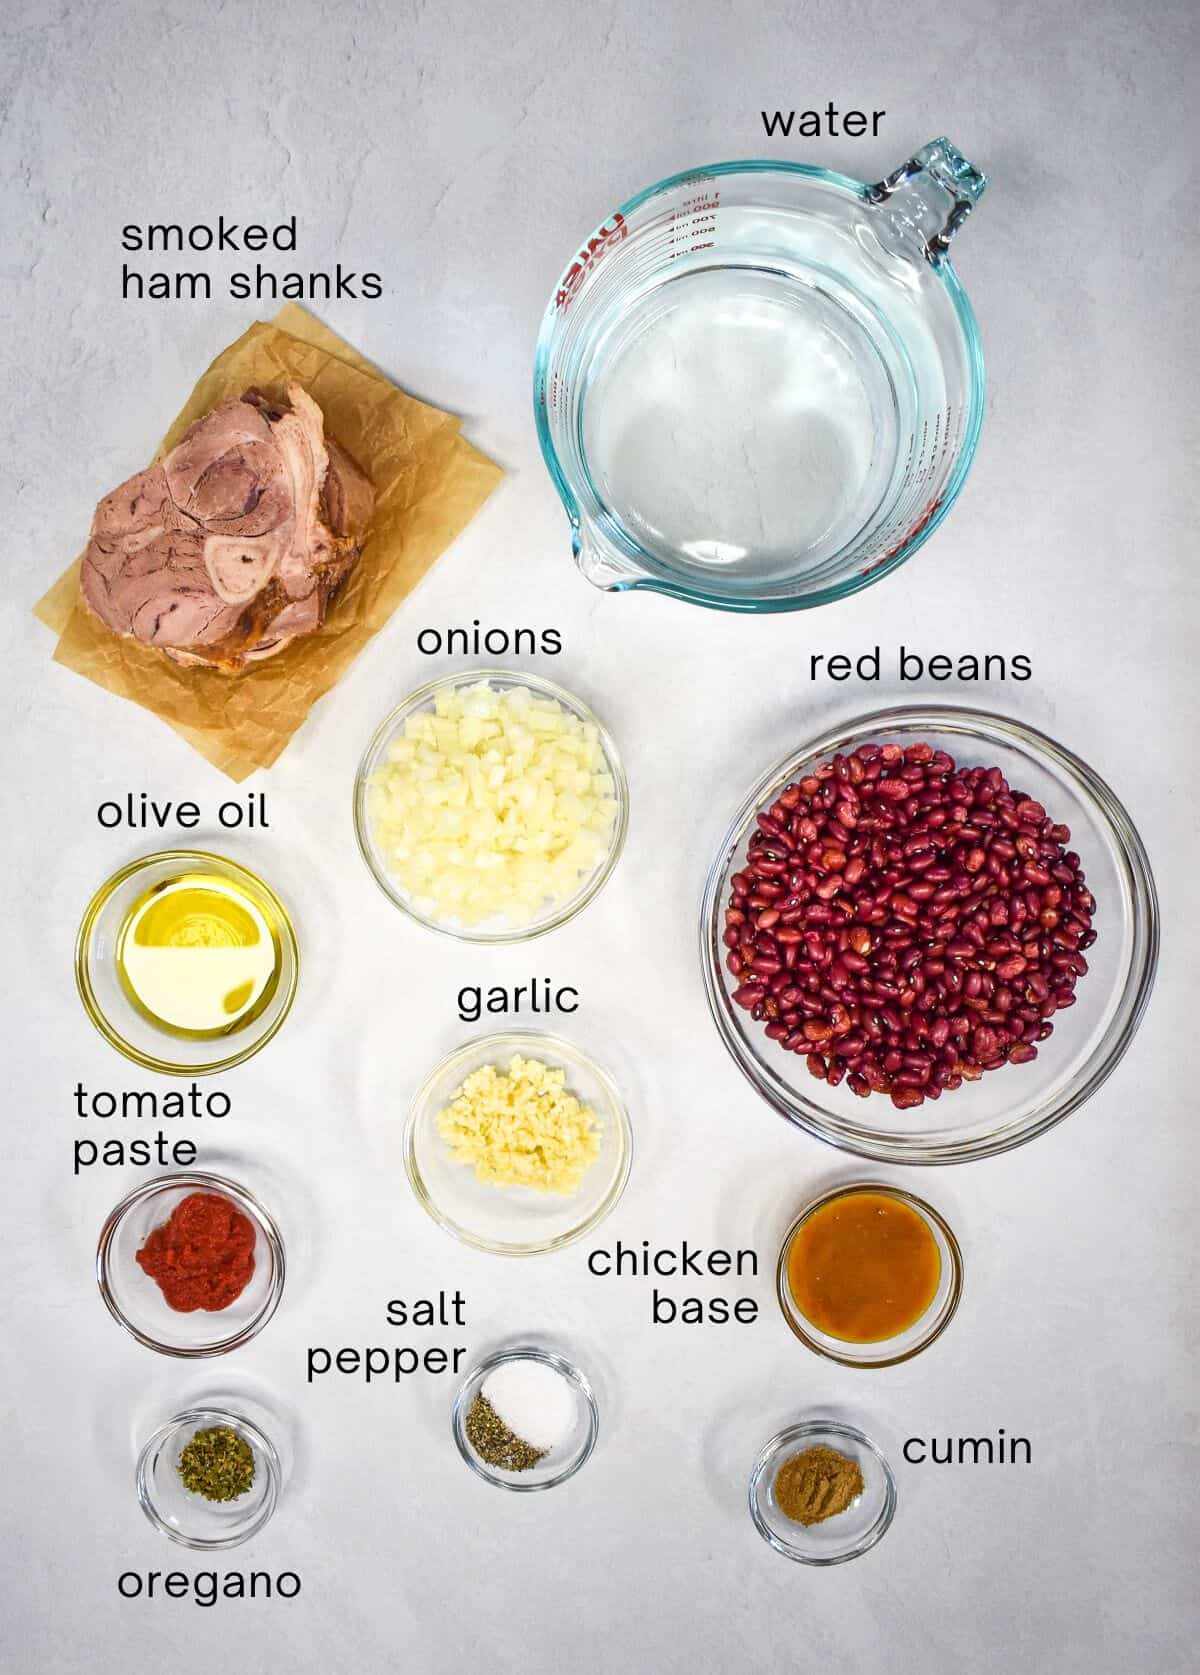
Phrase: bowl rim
(563, 1051)
(1131, 859)
(289, 980)
(419, 698)
(263, 1446)
(797, 1432)
(937, 1320)
(473, 1382)
(221, 1186)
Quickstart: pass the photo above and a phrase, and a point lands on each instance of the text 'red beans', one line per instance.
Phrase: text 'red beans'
(905, 924)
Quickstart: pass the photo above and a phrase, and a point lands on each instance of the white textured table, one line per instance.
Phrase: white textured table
(461, 152)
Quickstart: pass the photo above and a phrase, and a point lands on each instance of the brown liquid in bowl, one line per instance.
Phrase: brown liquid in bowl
(864, 1267)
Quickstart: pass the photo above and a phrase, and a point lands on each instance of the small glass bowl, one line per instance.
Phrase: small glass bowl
(888, 1352)
(562, 1461)
(516, 1221)
(187, 1517)
(848, 1534)
(1015, 1103)
(553, 914)
(134, 1299)
(112, 1011)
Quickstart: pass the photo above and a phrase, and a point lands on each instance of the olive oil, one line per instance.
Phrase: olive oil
(198, 956)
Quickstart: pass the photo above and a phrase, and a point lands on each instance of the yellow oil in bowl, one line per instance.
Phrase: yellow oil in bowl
(197, 956)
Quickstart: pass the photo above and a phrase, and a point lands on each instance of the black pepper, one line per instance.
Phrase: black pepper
(492, 1440)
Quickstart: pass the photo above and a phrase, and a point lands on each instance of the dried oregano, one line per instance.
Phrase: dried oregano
(218, 1464)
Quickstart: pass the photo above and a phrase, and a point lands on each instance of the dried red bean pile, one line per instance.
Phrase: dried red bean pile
(906, 924)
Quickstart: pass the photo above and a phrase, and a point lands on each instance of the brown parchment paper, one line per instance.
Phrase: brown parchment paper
(428, 482)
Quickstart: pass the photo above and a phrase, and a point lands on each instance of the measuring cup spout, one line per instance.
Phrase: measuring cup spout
(603, 565)
(927, 199)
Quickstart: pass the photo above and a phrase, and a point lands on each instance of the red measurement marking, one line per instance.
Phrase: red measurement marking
(595, 248)
(916, 529)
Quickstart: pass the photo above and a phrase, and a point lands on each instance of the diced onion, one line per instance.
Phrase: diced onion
(494, 805)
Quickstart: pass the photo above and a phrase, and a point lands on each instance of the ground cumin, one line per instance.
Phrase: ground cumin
(817, 1484)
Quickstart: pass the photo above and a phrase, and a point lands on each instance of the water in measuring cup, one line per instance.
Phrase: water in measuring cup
(740, 420)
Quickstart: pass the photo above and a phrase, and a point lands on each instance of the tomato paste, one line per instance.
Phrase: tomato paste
(203, 1255)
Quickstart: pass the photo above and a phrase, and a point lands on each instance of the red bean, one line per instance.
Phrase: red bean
(905, 924)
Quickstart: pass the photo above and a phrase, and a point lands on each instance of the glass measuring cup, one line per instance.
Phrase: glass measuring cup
(759, 386)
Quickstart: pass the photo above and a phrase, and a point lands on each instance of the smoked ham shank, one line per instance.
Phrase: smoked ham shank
(234, 543)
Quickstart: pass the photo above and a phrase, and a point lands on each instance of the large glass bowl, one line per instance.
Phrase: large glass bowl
(554, 913)
(1013, 1104)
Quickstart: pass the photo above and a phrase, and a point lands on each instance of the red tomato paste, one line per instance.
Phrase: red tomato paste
(202, 1256)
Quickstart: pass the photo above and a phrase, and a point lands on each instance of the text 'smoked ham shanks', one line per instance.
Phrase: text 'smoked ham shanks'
(236, 542)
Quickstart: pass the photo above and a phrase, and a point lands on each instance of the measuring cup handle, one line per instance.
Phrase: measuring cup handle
(930, 196)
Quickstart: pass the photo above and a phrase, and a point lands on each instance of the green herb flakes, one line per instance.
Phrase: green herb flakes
(218, 1464)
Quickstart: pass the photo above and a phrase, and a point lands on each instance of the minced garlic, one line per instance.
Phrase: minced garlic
(521, 1128)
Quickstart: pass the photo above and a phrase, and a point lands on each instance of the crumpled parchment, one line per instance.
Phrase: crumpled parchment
(429, 482)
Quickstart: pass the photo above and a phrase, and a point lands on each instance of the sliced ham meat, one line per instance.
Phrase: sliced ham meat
(235, 543)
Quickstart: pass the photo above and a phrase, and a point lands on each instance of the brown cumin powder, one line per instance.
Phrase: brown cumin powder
(817, 1484)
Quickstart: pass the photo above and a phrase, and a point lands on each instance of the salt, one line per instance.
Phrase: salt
(535, 1402)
